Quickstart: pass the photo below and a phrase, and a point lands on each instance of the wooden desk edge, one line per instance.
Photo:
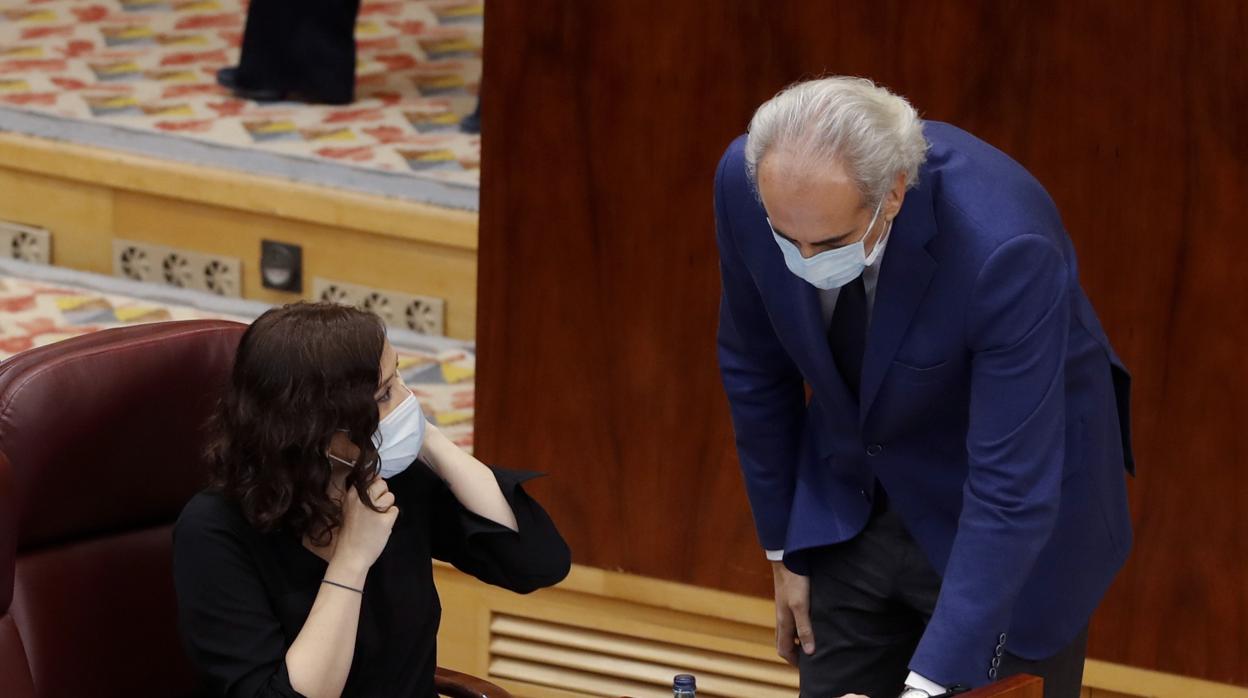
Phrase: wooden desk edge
(240, 190)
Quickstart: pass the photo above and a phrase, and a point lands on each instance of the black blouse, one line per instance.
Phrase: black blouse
(243, 595)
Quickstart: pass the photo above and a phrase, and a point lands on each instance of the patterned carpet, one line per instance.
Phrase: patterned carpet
(35, 313)
(150, 65)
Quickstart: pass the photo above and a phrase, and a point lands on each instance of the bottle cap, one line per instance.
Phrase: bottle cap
(684, 681)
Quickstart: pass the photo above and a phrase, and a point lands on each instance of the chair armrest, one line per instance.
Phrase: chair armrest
(454, 684)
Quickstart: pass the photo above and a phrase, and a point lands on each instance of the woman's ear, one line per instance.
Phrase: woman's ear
(342, 449)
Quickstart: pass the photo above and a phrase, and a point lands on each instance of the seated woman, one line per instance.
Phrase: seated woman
(305, 568)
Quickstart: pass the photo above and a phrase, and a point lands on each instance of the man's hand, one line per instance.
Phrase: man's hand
(792, 613)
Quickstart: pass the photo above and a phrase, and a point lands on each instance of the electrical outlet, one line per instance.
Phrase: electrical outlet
(421, 314)
(281, 266)
(24, 242)
(143, 261)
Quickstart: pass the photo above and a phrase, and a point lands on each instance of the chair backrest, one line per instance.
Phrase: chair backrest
(101, 444)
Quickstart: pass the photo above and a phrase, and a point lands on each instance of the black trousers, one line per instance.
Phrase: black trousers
(302, 46)
(870, 600)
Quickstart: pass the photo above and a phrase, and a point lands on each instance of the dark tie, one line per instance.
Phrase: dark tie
(847, 335)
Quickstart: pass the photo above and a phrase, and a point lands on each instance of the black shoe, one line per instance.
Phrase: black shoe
(228, 78)
(472, 122)
(307, 98)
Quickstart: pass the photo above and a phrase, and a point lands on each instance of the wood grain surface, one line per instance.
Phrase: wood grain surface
(598, 282)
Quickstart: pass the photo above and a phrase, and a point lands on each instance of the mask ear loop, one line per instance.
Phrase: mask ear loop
(343, 461)
(879, 244)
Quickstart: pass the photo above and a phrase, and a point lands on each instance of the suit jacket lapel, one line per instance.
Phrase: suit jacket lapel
(814, 335)
(904, 278)
(805, 316)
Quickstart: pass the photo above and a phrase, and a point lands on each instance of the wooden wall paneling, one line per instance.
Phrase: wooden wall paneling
(87, 196)
(598, 280)
(615, 283)
(331, 252)
(635, 632)
(300, 201)
(80, 216)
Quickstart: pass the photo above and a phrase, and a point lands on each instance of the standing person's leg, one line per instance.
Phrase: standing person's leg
(472, 122)
(323, 67)
(1062, 673)
(865, 633)
(263, 65)
(297, 49)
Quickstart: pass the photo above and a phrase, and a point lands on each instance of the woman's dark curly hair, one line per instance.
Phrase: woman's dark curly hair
(302, 373)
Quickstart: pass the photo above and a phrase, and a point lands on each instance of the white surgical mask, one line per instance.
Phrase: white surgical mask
(398, 438)
(832, 268)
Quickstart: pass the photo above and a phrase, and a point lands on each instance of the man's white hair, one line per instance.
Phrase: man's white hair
(872, 132)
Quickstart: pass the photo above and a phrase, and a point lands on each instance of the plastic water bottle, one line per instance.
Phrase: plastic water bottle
(684, 686)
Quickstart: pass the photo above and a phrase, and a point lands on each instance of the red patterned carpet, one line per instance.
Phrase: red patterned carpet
(35, 311)
(150, 65)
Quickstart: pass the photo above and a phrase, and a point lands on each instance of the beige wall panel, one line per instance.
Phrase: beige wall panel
(87, 196)
(489, 632)
(239, 190)
(79, 215)
(337, 253)
(1098, 693)
(1109, 680)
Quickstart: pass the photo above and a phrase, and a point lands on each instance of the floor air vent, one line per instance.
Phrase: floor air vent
(601, 663)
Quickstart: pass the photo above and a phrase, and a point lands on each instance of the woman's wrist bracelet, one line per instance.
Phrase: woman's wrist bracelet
(342, 586)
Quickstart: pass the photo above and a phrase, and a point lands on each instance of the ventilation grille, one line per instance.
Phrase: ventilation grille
(143, 261)
(421, 314)
(25, 243)
(599, 663)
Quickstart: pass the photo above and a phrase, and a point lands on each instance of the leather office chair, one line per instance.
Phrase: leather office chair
(99, 450)
(453, 684)
(100, 447)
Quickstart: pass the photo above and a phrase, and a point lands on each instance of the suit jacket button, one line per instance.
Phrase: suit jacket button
(996, 662)
(1000, 650)
(1001, 639)
(874, 450)
(992, 673)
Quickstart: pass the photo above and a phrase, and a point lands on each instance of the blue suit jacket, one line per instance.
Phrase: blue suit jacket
(993, 408)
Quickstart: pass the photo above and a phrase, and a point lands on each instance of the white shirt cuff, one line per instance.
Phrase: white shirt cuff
(930, 687)
(775, 555)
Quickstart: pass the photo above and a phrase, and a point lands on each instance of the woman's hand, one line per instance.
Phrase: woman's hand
(364, 532)
(319, 659)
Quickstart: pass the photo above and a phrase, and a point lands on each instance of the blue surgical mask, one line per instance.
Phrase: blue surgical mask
(832, 268)
(398, 439)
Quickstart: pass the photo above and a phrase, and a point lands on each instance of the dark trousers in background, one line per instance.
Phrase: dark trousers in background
(870, 600)
(301, 46)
